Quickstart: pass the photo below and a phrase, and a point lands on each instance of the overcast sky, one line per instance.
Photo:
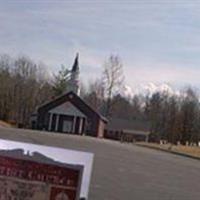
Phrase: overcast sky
(157, 40)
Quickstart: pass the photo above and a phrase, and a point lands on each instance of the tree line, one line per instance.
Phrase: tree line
(171, 117)
(175, 118)
(25, 85)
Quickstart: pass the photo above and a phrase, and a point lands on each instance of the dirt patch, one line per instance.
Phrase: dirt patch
(5, 124)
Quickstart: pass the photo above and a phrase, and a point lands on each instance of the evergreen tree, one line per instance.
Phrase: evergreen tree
(61, 81)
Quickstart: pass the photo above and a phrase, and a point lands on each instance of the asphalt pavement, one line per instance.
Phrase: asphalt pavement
(125, 171)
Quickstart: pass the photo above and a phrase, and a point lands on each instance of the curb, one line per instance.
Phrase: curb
(168, 151)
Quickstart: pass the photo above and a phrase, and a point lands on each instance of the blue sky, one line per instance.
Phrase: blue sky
(157, 40)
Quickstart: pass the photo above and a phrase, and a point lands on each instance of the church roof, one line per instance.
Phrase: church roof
(75, 100)
(124, 124)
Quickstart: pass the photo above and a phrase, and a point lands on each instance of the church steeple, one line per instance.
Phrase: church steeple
(73, 84)
(75, 66)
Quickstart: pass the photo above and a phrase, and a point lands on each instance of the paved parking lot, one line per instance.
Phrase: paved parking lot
(125, 171)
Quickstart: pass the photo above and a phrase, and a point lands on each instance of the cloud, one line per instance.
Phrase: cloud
(127, 91)
(149, 89)
(158, 72)
(158, 42)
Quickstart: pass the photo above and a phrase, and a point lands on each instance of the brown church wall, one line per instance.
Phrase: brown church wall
(101, 126)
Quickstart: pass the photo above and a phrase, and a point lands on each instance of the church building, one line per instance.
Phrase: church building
(69, 113)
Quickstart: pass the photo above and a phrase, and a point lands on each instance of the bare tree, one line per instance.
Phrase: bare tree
(189, 115)
(113, 80)
(22, 89)
(5, 84)
(95, 95)
(121, 107)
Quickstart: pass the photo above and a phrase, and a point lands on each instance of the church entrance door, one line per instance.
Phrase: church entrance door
(67, 126)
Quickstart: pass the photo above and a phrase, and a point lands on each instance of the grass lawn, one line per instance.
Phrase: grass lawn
(188, 150)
